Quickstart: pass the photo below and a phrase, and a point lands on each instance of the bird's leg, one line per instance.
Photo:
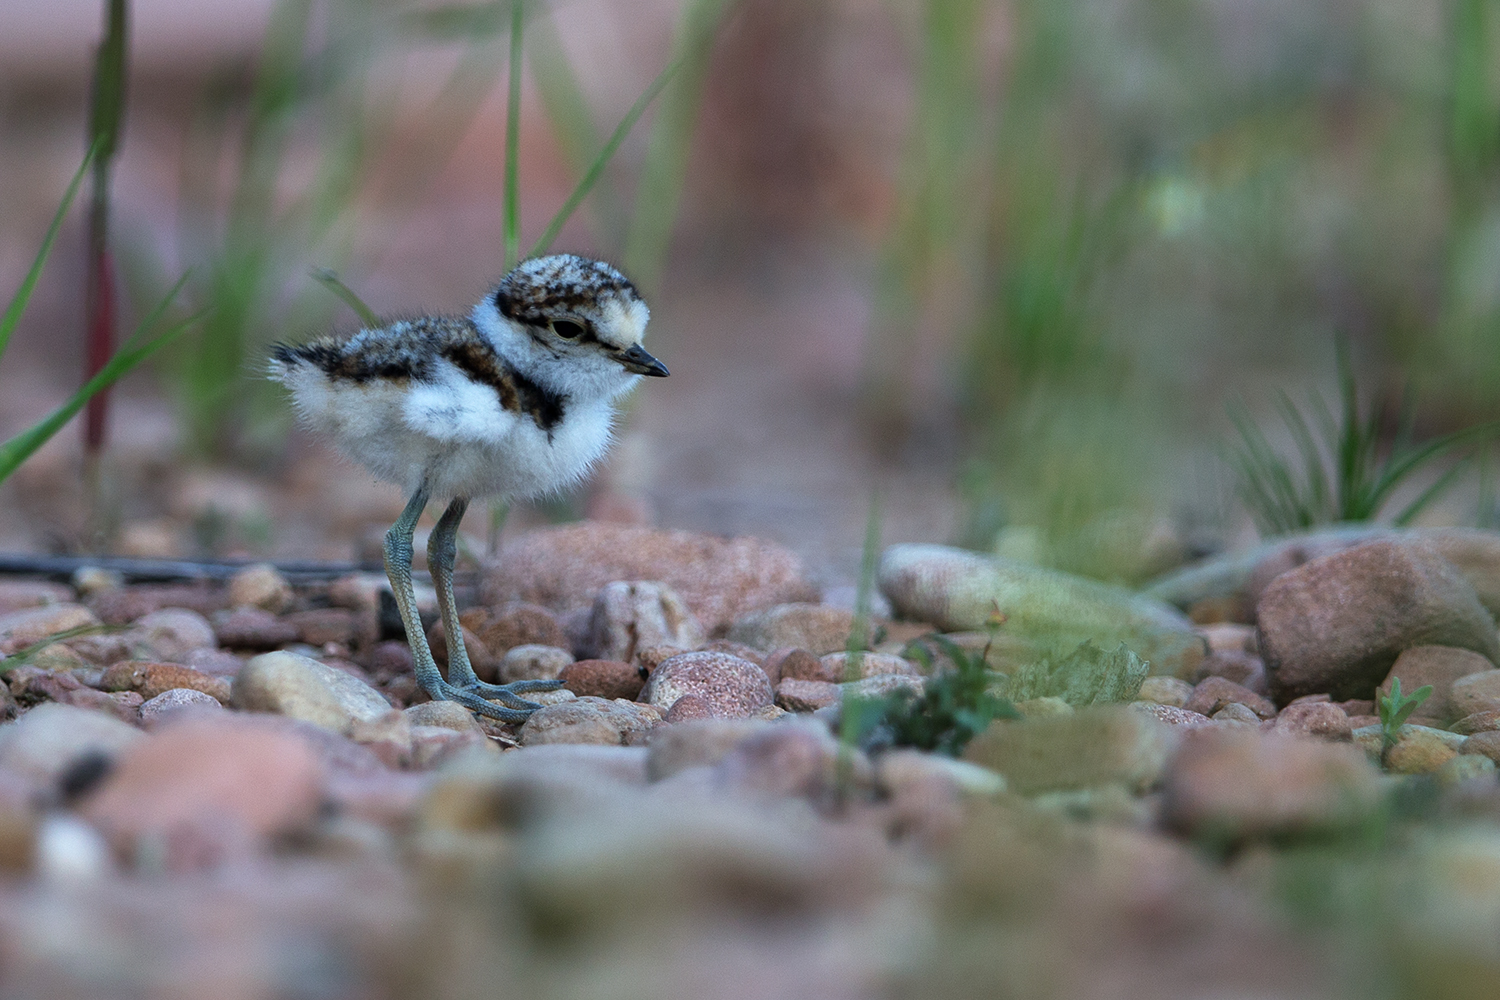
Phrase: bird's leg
(398, 551)
(441, 551)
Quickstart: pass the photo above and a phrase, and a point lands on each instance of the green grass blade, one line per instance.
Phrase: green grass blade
(596, 169)
(330, 280)
(22, 297)
(1315, 481)
(513, 140)
(21, 447)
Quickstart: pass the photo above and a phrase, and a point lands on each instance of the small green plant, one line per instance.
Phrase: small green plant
(1343, 476)
(1395, 708)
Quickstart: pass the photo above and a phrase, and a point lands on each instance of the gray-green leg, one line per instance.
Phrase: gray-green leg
(398, 552)
(442, 547)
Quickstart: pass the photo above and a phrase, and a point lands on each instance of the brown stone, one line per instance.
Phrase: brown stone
(687, 708)
(1475, 693)
(252, 628)
(1439, 666)
(1477, 722)
(320, 626)
(796, 695)
(1212, 694)
(721, 580)
(1321, 719)
(607, 679)
(481, 657)
(1486, 743)
(734, 688)
(30, 626)
(151, 679)
(817, 628)
(796, 664)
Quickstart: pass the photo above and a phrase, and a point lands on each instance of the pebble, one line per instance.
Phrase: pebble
(170, 635)
(590, 720)
(695, 743)
(1213, 694)
(1168, 691)
(732, 687)
(837, 668)
(1236, 712)
(1227, 637)
(817, 628)
(1323, 720)
(795, 759)
(1098, 745)
(444, 715)
(167, 706)
(47, 740)
(796, 695)
(1477, 722)
(1486, 743)
(29, 626)
(205, 791)
(387, 737)
(30, 684)
(533, 662)
(19, 595)
(486, 666)
(433, 746)
(320, 626)
(1417, 750)
(516, 624)
(260, 586)
(303, 688)
(1478, 692)
(721, 580)
(1171, 715)
(252, 628)
(1440, 666)
(1245, 669)
(1234, 785)
(150, 679)
(1467, 767)
(688, 708)
(1336, 624)
(630, 616)
(608, 679)
(128, 604)
(896, 770)
(882, 684)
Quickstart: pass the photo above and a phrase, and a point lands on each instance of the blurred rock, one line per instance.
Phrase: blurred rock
(1478, 768)
(1238, 713)
(1474, 693)
(252, 628)
(590, 720)
(29, 626)
(90, 580)
(533, 662)
(170, 705)
(1486, 743)
(57, 656)
(732, 687)
(127, 604)
(45, 742)
(1238, 785)
(302, 688)
(720, 580)
(1477, 722)
(388, 737)
(1171, 715)
(696, 743)
(797, 759)
(486, 667)
(795, 663)
(320, 626)
(20, 595)
(150, 679)
(817, 628)
(1093, 746)
(883, 684)
(630, 616)
(1214, 693)
(796, 695)
(260, 586)
(215, 662)
(1418, 749)
(1230, 638)
(1336, 624)
(1166, 691)
(1245, 669)
(1440, 666)
(169, 635)
(1323, 720)
(432, 746)
(444, 715)
(608, 679)
(29, 685)
(206, 791)
(956, 591)
(836, 667)
(898, 769)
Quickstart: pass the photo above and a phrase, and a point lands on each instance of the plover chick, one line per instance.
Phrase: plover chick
(517, 399)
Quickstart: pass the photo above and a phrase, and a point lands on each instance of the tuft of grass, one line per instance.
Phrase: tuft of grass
(1395, 708)
(1339, 472)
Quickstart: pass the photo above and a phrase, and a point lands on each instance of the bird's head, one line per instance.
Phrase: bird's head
(573, 322)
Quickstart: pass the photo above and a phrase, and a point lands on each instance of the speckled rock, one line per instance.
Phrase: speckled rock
(170, 635)
(1440, 666)
(590, 720)
(207, 790)
(835, 667)
(734, 688)
(47, 740)
(1170, 714)
(797, 695)
(260, 586)
(302, 688)
(628, 616)
(818, 628)
(1212, 694)
(1336, 624)
(515, 624)
(1166, 691)
(721, 580)
(687, 708)
(608, 679)
(1235, 712)
(29, 626)
(1474, 693)
(151, 679)
(1237, 785)
(1323, 720)
(533, 663)
(1093, 746)
(1477, 722)
(882, 684)
(174, 704)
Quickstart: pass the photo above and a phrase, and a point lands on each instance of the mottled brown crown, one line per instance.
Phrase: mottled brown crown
(544, 288)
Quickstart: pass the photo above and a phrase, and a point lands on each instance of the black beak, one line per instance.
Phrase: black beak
(638, 361)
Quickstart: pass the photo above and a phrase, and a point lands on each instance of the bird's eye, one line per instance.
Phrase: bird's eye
(567, 329)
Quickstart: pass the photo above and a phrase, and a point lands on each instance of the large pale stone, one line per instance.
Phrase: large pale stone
(302, 688)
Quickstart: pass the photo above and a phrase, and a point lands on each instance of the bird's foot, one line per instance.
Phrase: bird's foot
(476, 697)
